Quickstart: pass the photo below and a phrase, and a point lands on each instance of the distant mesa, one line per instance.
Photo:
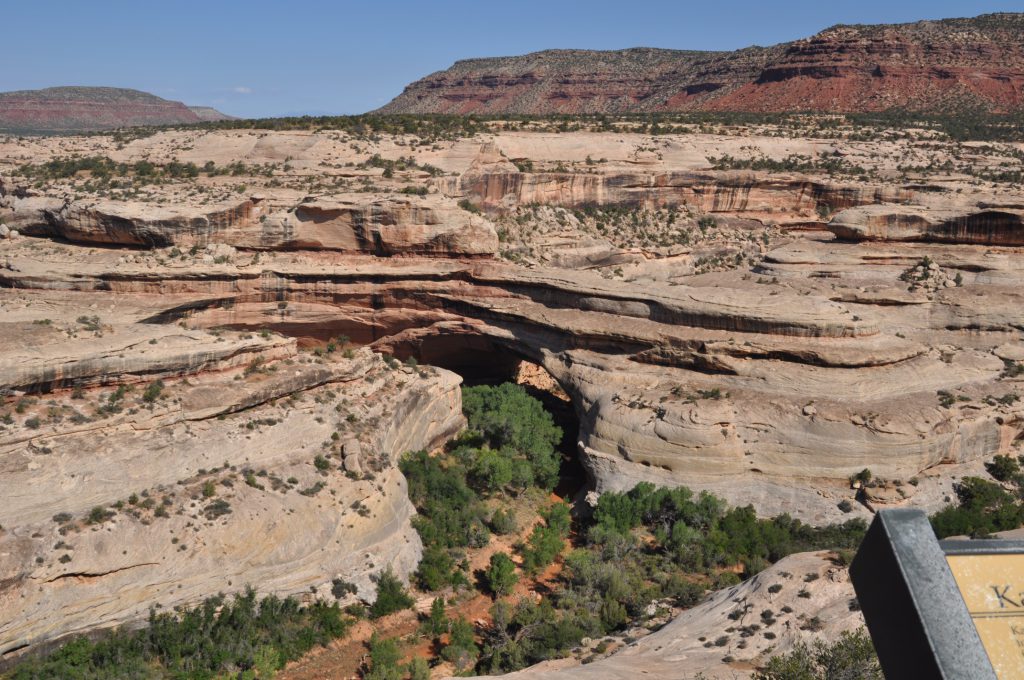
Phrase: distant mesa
(87, 109)
(927, 66)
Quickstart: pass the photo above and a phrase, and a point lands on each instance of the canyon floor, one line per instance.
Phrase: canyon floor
(207, 333)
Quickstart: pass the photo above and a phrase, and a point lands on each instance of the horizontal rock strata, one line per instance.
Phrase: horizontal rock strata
(982, 224)
(381, 226)
(695, 385)
(216, 489)
(927, 65)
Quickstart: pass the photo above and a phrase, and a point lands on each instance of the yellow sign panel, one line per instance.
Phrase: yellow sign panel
(993, 588)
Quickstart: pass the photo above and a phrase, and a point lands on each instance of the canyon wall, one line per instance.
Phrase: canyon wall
(942, 65)
(212, 479)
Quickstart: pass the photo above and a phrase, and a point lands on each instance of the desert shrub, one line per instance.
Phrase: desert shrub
(502, 522)
(215, 638)
(217, 508)
(517, 426)
(984, 508)
(501, 574)
(529, 632)
(851, 656)
(546, 540)
(153, 391)
(99, 515)
(509, 445)
(437, 622)
(461, 649)
(1003, 468)
(209, 488)
(702, 533)
(384, 658)
(435, 570)
(418, 669)
(340, 588)
(391, 595)
(450, 513)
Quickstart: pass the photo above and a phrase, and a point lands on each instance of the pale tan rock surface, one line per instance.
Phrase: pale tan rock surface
(982, 224)
(707, 325)
(728, 635)
(230, 434)
(702, 385)
(354, 223)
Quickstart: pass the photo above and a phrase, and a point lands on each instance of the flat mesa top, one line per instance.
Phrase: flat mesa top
(992, 585)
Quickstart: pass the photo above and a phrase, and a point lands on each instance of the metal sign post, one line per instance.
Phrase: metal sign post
(950, 611)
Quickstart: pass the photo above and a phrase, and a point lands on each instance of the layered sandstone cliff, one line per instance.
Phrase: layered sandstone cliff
(494, 182)
(710, 330)
(923, 66)
(209, 481)
(773, 394)
(359, 223)
(986, 224)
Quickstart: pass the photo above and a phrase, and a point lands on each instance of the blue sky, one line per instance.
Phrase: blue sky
(262, 58)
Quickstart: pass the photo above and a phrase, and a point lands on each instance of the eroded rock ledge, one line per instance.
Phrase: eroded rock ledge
(213, 474)
(358, 223)
(794, 361)
(772, 394)
(983, 224)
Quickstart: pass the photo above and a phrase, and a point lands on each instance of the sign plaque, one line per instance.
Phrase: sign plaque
(991, 581)
(949, 610)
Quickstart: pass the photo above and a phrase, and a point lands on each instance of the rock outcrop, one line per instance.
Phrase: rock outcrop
(582, 81)
(382, 226)
(924, 66)
(212, 482)
(386, 226)
(127, 223)
(707, 386)
(994, 225)
(174, 358)
(948, 64)
(782, 197)
(730, 633)
(210, 114)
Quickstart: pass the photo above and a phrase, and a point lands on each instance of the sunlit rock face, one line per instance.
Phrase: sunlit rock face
(922, 66)
(763, 335)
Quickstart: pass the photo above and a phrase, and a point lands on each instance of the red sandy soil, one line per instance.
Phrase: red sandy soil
(344, 658)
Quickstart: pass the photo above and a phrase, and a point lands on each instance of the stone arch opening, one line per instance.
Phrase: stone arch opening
(457, 346)
(483, 361)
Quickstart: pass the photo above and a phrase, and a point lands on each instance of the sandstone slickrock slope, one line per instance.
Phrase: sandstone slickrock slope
(83, 109)
(760, 335)
(214, 475)
(923, 66)
(729, 634)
